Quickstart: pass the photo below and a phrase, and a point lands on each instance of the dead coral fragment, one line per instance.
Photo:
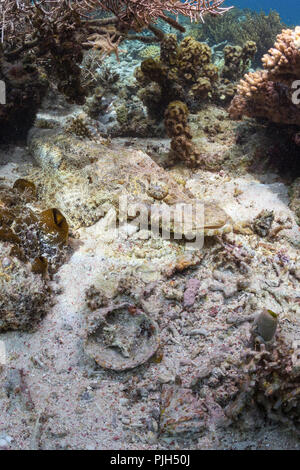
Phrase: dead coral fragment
(182, 412)
(263, 223)
(121, 337)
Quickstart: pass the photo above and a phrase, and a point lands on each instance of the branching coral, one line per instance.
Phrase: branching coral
(138, 14)
(17, 18)
(268, 93)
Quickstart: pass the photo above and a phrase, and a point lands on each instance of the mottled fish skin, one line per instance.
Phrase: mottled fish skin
(212, 220)
(68, 164)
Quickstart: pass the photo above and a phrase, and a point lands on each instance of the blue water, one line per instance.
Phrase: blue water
(289, 10)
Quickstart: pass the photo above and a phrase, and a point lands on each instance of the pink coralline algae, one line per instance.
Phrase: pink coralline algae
(190, 293)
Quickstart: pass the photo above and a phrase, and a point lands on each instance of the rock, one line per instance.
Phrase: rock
(165, 378)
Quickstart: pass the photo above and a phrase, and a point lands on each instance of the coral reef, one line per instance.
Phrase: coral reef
(55, 33)
(238, 27)
(173, 344)
(268, 93)
(59, 30)
(185, 72)
(204, 303)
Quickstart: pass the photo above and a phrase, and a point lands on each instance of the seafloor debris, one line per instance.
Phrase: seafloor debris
(190, 293)
(269, 378)
(24, 295)
(16, 389)
(181, 412)
(263, 223)
(121, 337)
